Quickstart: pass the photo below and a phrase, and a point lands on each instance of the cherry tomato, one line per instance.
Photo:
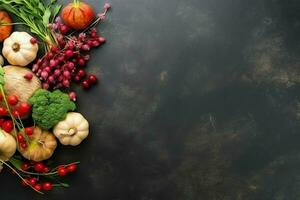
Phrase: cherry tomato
(24, 108)
(38, 187)
(29, 130)
(20, 137)
(39, 167)
(47, 186)
(16, 113)
(12, 100)
(46, 169)
(7, 126)
(71, 168)
(24, 145)
(62, 171)
(3, 111)
(32, 181)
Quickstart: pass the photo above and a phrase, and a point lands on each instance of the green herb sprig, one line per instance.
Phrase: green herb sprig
(36, 15)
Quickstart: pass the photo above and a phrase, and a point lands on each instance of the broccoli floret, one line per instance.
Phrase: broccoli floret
(48, 108)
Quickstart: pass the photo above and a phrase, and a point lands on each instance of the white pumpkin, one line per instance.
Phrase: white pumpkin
(18, 49)
(16, 84)
(72, 130)
(8, 145)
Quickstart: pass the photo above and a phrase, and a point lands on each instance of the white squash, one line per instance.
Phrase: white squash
(18, 49)
(16, 84)
(8, 145)
(72, 130)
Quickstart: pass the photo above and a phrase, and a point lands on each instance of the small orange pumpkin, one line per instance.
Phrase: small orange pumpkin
(77, 15)
(5, 30)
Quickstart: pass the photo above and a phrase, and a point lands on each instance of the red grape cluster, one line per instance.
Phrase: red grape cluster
(65, 62)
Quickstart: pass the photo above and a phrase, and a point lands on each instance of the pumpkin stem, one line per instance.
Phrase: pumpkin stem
(16, 47)
(76, 3)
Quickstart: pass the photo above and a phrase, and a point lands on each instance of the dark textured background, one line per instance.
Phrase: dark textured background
(198, 101)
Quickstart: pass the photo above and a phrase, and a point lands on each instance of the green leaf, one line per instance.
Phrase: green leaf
(1, 76)
(56, 10)
(41, 7)
(46, 17)
(15, 162)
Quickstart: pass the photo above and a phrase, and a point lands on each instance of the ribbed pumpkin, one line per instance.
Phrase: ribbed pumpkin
(5, 30)
(77, 15)
(41, 145)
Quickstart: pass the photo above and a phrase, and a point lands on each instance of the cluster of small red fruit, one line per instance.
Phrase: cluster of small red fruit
(65, 61)
(41, 169)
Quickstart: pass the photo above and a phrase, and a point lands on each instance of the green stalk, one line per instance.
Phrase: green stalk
(19, 175)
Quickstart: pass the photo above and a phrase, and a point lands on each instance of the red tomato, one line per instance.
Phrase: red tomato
(12, 100)
(24, 108)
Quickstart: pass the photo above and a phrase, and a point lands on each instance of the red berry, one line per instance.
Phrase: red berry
(81, 73)
(20, 138)
(77, 78)
(46, 169)
(12, 100)
(29, 130)
(3, 111)
(16, 113)
(8, 126)
(62, 171)
(69, 53)
(63, 29)
(47, 186)
(54, 49)
(25, 166)
(92, 79)
(81, 62)
(72, 96)
(102, 39)
(28, 76)
(24, 108)
(24, 145)
(39, 167)
(24, 182)
(32, 181)
(33, 40)
(85, 84)
(38, 187)
(71, 168)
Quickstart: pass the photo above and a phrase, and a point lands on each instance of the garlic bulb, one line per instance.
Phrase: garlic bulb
(72, 130)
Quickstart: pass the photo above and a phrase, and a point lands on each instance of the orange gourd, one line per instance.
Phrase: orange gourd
(77, 15)
(5, 30)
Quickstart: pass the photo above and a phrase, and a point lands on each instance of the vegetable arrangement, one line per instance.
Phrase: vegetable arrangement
(37, 106)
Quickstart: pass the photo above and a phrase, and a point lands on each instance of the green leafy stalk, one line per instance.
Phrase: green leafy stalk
(36, 15)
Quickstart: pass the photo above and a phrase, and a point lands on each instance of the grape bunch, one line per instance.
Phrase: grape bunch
(65, 62)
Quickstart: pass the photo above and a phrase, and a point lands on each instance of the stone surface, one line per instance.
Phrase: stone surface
(198, 100)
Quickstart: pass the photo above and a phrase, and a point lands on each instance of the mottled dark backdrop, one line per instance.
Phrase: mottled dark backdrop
(198, 101)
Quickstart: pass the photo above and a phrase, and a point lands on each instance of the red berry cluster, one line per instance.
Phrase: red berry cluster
(65, 61)
(42, 169)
